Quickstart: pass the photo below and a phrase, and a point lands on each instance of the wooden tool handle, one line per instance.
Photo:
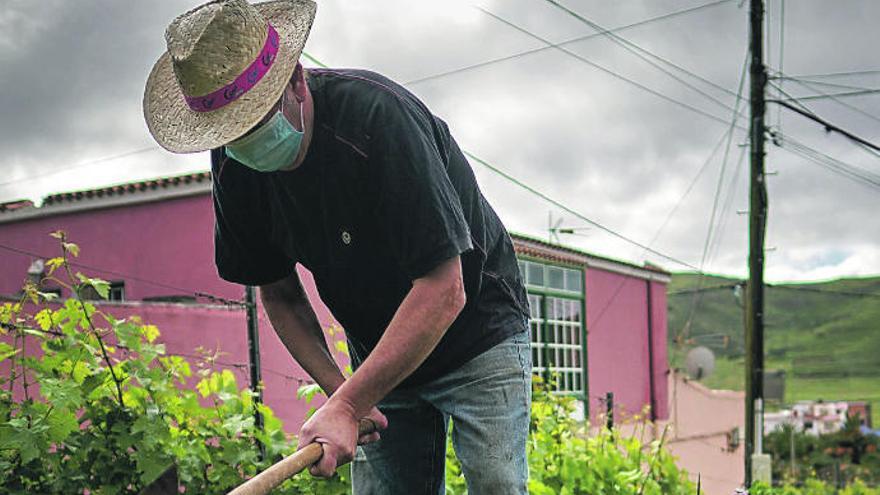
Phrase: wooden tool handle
(275, 474)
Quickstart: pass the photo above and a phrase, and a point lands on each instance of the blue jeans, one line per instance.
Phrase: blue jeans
(489, 401)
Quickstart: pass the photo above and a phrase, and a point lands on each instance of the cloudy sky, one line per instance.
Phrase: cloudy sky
(626, 154)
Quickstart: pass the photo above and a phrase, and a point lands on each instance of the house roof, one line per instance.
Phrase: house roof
(124, 194)
(538, 248)
(164, 188)
(129, 188)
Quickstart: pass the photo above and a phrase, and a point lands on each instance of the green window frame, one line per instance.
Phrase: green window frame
(557, 327)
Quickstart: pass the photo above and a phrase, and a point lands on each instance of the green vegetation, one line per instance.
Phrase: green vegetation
(813, 487)
(824, 335)
(841, 458)
(565, 458)
(104, 410)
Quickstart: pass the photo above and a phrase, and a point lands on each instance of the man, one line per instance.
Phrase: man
(350, 175)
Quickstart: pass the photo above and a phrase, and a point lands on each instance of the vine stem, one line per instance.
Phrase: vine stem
(78, 296)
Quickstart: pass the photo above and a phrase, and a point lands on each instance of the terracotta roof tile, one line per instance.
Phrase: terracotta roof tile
(129, 188)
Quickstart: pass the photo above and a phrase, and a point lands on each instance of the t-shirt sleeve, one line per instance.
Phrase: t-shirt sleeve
(420, 210)
(243, 250)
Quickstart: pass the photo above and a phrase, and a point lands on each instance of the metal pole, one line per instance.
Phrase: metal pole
(253, 338)
(609, 415)
(651, 385)
(757, 226)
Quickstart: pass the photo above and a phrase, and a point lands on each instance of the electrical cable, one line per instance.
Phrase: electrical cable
(612, 73)
(811, 87)
(638, 51)
(695, 301)
(838, 167)
(574, 212)
(567, 42)
(204, 295)
(818, 83)
(828, 126)
(861, 92)
(838, 74)
(781, 57)
(79, 165)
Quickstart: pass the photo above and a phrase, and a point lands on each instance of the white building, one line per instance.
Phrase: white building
(813, 417)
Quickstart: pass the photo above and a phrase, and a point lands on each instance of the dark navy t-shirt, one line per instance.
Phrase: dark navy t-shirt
(383, 197)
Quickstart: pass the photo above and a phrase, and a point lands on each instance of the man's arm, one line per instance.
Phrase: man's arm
(297, 326)
(430, 307)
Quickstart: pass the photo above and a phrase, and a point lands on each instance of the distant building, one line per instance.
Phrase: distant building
(819, 417)
(599, 325)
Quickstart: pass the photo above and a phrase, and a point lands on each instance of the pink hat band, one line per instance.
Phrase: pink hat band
(244, 82)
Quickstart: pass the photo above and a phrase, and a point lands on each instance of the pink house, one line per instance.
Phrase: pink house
(598, 325)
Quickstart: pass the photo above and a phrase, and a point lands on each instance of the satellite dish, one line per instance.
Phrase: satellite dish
(700, 362)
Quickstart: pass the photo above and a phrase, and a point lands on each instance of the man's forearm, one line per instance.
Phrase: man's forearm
(418, 325)
(298, 328)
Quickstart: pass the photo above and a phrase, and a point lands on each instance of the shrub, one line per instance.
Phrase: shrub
(104, 410)
(566, 459)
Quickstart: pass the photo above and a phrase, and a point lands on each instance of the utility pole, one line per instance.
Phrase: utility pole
(253, 339)
(754, 338)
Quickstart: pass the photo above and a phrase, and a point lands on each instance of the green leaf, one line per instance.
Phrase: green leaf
(54, 264)
(204, 387)
(7, 351)
(44, 318)
(150, 332)
(308, 392)
(62, 423)
(102, 287)
(71, 248)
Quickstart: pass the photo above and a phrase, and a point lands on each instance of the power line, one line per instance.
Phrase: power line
(567, 42)
(828, 126)
(695, 301)
(834, 165)
(79, 165)
(811, 87)
(638, 51)
(204, 295)
(782, 77)
(573, 212)
(839, 74)
(612, 73)
(860, 92)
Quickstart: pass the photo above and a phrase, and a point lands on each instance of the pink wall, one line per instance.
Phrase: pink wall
(170, 243)
(699, 422)
(617, 329)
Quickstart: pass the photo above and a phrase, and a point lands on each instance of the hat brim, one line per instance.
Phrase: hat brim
(179, 129)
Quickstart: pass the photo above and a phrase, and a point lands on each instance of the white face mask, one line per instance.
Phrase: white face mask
(271, 147)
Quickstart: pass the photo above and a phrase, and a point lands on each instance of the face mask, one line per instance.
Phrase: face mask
(273, 146)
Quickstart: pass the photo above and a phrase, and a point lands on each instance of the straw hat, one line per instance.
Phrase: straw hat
(227, 64)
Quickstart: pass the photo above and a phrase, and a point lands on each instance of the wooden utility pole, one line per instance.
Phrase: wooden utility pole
(754, 338)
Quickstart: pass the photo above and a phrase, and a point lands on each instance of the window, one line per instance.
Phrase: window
(115, 293)
(556, 324)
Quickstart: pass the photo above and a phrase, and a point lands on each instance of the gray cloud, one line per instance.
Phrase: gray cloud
(73, 75)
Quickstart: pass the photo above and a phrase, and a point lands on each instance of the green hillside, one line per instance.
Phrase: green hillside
(826, 336)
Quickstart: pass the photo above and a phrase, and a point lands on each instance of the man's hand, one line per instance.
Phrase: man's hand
(335, 427)
(379, 422)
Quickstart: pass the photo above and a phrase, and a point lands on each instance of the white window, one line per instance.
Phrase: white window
(556, 324)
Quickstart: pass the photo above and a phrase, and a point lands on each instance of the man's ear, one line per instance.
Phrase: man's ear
(299, 83)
